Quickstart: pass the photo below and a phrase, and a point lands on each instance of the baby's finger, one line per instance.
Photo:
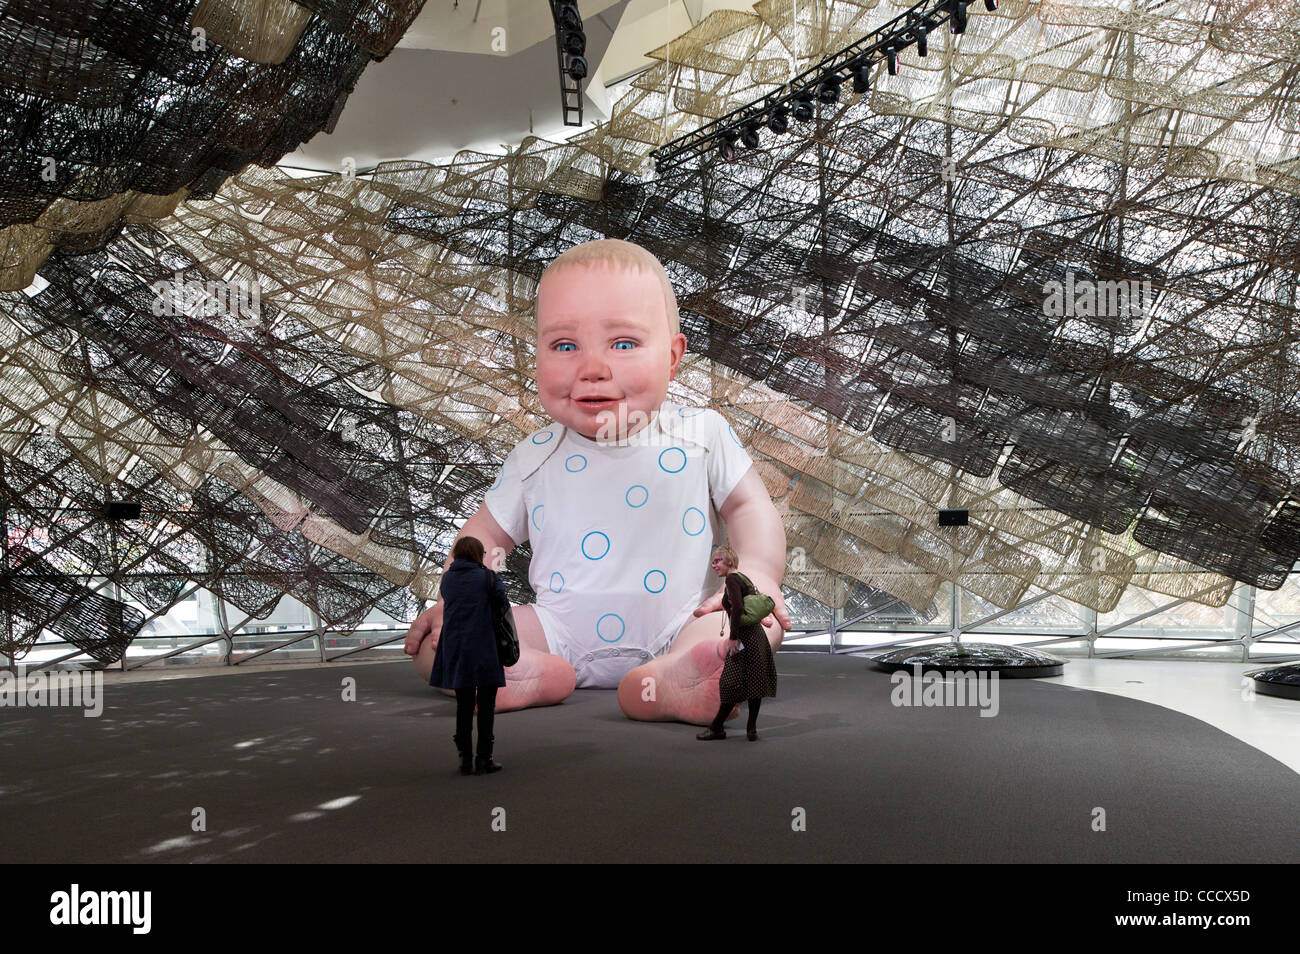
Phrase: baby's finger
(711, 605)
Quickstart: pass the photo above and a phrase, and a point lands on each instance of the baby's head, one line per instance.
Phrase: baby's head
(608, 338)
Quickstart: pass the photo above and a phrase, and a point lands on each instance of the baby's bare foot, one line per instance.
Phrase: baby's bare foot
(538, 679)
(682, 686)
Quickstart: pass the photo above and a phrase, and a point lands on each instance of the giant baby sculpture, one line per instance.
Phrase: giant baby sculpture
(620, 498)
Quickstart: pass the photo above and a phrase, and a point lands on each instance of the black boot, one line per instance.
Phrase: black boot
(483, 764)
(715, 731)
(466, 751)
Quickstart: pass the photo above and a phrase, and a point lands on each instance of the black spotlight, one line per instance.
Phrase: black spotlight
(957, 13)
(990, 5)
(829, 91)
(862, 77)
(803, 107)
(891, 60)
(727, 146)
(779, 121)
(567, 16)
(922, 44)
(749, 135)
(575, 43)
(576, 68)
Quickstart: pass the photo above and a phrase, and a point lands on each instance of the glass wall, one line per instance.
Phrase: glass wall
(1253, 624)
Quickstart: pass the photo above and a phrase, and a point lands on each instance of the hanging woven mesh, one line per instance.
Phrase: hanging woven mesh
(113, 112)
(1045, 275)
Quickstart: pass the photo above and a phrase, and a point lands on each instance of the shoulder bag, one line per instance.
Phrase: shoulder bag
(757, 605)
(503, 628)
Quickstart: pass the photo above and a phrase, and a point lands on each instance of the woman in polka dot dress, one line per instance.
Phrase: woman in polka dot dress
(750, 671)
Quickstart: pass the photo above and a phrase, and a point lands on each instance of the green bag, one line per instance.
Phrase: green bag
(757, 605)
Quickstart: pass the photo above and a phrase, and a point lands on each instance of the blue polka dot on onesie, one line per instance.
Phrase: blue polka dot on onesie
(655, 581)
(538, 516)
(610, 627)
(574, 463)
(592, 547)
(693, 518)
(672, 460)
(637, 495)
(557, 581)
(542, 437)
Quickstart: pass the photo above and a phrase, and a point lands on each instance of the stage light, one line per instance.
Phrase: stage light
(922, 43)
(862, 77)
(567, 16)
(727, 146)
(829, 91)
(957, 12)
(749, 136)
(803, 107)
(570, 49)
(891, 60)
(779, 121)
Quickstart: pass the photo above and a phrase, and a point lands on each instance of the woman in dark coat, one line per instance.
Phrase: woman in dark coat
(466, 658)
(750, 671)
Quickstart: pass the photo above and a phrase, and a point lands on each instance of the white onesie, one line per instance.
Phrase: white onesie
(621, 532)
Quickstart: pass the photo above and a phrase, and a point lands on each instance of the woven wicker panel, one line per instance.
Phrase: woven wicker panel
(105, 104)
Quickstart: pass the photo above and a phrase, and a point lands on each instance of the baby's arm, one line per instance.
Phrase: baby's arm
(497, 544)
(755, 532)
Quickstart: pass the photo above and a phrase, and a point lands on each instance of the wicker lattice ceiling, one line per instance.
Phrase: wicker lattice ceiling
(866, 299)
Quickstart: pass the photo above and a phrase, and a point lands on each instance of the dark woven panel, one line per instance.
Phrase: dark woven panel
(105, 96)
(1215, 546)
(37, 595)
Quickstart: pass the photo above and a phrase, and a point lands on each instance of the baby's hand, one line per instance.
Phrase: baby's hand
(711, 605)
(428, 623)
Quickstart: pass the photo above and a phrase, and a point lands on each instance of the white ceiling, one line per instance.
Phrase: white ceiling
(476, 73)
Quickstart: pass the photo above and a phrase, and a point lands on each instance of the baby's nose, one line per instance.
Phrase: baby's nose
(593, 367)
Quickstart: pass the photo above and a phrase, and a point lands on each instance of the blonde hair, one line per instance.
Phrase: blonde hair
(628, 255)
(729, 554)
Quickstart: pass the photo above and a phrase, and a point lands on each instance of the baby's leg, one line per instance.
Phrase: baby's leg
(683, 683)
(538, 679)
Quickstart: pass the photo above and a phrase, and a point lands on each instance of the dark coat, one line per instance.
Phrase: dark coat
(751, 672)
(467, 646)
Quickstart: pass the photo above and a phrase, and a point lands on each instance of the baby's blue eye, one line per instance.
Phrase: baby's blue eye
(565, 344)
(630, 344)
